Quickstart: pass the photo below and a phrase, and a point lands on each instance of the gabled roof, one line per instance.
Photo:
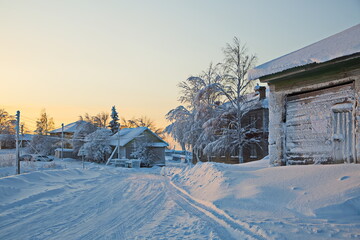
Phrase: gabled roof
(70, 128)
(128, 134)
(342, 44)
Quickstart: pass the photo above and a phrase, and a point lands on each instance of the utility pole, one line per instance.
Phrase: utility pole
(17, 142)
(62, 141)
(118, 141)
(22, 135)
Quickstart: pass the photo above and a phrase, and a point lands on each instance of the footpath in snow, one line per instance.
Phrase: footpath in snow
(207, 201)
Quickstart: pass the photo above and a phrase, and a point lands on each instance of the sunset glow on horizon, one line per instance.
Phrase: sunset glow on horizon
(77, 57)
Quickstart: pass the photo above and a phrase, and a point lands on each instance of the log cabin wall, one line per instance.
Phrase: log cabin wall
(310, 119)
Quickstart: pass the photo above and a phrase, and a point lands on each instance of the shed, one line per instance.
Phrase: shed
(67, 153)
(314, 107)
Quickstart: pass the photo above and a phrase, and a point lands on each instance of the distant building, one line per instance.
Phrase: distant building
(257, 117)
(7, 141)
(131, 139)
(314, 101)
(69, 130)
(67, 153)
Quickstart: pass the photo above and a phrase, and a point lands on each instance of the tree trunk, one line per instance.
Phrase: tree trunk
(241, 158)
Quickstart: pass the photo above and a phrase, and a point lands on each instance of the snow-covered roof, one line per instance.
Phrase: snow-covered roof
(128, 134)
(339, 45)
(158, 144)
(69, 128)
(65, 149)
(26, 137)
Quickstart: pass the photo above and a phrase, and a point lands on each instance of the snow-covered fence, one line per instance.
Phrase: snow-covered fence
(7, 160)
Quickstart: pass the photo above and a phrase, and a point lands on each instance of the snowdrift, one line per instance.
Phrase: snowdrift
(324, 196)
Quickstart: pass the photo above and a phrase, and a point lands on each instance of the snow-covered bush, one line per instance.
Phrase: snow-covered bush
(44, 145)
(143, 152)
(97, 146)
(83, 129)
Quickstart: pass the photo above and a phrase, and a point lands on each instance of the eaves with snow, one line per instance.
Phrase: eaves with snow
(129, 134)
(342, 44)
(69, 128)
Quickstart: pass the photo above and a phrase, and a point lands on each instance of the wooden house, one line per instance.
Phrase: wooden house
(257, 117)
(131, 140)
(69, 130)
(314, 108)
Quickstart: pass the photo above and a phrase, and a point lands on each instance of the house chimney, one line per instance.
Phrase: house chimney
(262, 91)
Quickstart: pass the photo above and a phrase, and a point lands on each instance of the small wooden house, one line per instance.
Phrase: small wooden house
(314, 108)
(132, 140)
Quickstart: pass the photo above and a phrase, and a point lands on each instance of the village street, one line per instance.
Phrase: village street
(117, 204)
(61, 200)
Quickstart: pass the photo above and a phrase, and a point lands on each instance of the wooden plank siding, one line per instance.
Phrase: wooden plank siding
(309, 123)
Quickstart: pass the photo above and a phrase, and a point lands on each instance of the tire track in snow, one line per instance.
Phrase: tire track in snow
(238, 229)
(114, 206)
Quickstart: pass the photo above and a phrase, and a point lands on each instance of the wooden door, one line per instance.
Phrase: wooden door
(343, 141)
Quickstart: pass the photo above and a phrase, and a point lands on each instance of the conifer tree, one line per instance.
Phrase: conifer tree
(114, 124)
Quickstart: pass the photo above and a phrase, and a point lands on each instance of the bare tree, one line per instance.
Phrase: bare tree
(44, 124)
(99, 120)
(7, 122)
(236, 84)
(142, 121)
(7, 129)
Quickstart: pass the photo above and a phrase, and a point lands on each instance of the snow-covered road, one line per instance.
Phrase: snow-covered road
(107, 204)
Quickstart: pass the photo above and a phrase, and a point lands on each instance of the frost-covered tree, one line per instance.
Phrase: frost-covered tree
(228, 123)
(211, 122)
(7, 122)
(44, 124)
(44, 145)
(97, 146)
(143, 152)
(201, 95)
(7, 129)
(83, 129)
(179, 128)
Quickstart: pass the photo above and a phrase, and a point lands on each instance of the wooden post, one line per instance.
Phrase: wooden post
(17, 142)
(118, 141)
(62, 141)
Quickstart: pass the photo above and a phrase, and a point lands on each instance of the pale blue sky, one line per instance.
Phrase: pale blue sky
(72, 57)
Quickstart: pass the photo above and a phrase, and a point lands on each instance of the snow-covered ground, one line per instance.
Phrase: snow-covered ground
(290, 202)
(207, 201)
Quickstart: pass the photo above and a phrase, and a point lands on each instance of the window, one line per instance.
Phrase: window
(253, 153)
(253, 120)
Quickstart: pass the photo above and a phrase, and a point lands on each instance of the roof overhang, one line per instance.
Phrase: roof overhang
(350, 62)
